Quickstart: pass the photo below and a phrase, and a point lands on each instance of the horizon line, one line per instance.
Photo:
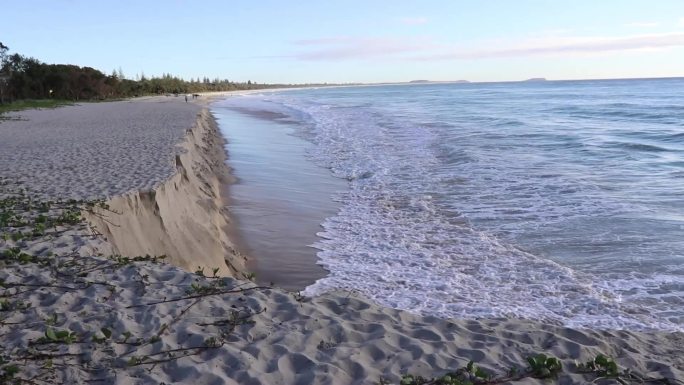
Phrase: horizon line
(528, 80)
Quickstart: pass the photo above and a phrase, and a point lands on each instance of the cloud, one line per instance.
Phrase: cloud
(643, 24)
(324, 40)
(413, 20)
(557, 31)
(345, 47)
(563, 46)
(424, 49)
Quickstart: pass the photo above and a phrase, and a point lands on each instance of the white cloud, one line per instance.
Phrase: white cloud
(558, 31)
(563, 46)
(325, 40)
(643, 24)
(413, 20)
(364, 48)
(345, 47)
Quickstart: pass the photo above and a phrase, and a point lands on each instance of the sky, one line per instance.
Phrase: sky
(309, 41)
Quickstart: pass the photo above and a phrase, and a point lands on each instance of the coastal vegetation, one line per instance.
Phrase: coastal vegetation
(25, 78)
(25, 221)
(26, 104)
(600, 369)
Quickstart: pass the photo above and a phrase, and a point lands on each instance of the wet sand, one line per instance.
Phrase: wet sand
(278, 199)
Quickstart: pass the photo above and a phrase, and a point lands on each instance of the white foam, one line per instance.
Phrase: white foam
(404, 235)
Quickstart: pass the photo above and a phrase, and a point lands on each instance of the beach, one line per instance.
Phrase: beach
(153, 171)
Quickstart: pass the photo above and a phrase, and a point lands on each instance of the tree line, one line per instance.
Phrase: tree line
(24, 77)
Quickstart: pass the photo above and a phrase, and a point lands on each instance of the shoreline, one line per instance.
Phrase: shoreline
(280, 198)
(428, 223)
(127, 316)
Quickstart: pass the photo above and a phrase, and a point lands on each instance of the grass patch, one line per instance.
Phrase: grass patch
(31, 104)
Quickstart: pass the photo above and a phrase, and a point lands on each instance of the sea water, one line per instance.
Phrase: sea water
(556, 201)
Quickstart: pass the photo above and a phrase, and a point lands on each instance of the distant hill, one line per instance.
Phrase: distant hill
(536, 80)
(439, 81)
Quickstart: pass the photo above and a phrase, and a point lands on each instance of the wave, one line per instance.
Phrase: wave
(630, 146)
(498, 206)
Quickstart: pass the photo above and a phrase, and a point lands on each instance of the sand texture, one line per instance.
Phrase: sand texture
(73, 313)
(222, 332)
(95, 150)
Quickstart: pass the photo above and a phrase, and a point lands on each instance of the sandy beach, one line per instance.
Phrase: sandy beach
(77, 308)
(95, 150)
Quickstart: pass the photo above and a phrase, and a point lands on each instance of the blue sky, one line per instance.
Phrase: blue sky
(355, 41)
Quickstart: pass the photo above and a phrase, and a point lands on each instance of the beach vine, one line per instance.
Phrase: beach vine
(26, 221)
(540, 366)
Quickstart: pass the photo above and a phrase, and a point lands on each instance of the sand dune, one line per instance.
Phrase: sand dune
(160, 160)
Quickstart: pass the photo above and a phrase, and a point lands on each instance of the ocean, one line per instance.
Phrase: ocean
(560, 201)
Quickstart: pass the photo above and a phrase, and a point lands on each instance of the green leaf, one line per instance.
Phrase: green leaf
(612, 369)
(70, 337)
(601, 360)
(107, 333)
(62, 334)
(469, 367)
(11, 370)
(553, 364)
(480, 373)
(52, 319)
(50, 334)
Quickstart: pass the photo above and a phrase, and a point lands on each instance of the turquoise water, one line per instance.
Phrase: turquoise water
(560, 201)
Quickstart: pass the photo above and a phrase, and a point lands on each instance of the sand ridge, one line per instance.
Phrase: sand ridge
(184, 217)
(159, 160)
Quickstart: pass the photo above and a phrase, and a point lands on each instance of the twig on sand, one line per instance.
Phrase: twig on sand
(231, 291)
(137, 361)
(176, 318)
(102, 217)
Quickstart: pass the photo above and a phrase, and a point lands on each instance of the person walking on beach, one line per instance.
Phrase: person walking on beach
(186, 98)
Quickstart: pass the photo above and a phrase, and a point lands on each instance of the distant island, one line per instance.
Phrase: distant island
(536, 80)
(439, 81)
